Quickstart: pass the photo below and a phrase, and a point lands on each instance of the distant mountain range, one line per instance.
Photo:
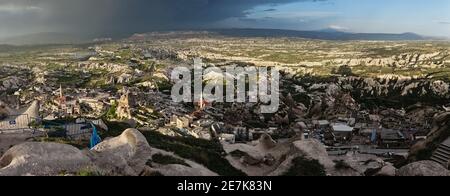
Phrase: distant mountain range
(7, 48)
(43, 38)
(326, 34)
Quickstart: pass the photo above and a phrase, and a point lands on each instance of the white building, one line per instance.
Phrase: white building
(342, 131)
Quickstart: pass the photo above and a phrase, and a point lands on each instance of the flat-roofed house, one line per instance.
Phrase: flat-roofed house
(390, 138)
(342, 131)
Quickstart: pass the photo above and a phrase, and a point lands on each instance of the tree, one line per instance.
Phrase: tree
(111, 113)
(345, 70)
(333, 70)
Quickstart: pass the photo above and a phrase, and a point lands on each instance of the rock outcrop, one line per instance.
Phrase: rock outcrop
(127, 154)
(423, 168)
(265, 157)
(33, 111)
(43, 159)
(313, 149)
(438, 134)
(11, 83)
(122, 155)
(387, 170)
(130, 154)
(410, 60)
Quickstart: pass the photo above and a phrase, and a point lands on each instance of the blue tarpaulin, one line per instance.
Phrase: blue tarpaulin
(373, 138)
(95, 138)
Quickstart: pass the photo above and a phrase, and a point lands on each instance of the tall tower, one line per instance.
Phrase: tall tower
(60, 91)
(201, 103)
(62, 98)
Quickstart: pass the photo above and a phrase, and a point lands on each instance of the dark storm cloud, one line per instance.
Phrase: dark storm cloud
(270, 10)
(121, 16)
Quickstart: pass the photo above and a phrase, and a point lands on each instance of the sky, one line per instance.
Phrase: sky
(121, 17)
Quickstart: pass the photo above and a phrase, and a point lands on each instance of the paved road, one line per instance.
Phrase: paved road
(385, 151)
(374, 151)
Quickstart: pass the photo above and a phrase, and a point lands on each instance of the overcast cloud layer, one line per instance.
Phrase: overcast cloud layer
(119, 16)
(96, 18)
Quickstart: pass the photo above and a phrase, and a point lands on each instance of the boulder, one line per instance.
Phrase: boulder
(387, 170)
(423, 168)
(251, 160)
(43, 159)
(284, 166)
(441, 118)
(126, 154)
(266, 142)
(190, 168)
(313, 149)
(258, 158)
(247, 154)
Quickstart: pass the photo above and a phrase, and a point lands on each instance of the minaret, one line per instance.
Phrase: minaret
(201, 103)
(60, 92)
(62, 99)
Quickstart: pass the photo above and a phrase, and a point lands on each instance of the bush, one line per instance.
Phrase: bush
(89, 172)
(80, 144)
(305, 167)
(153, 173)
(164, 85)
(57, 132)
(344, 70)
(114, 129)
(33, 124)
(111, 113)
(424, 154)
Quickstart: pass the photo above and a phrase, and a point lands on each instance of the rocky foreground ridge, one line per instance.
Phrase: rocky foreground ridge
(130, 154)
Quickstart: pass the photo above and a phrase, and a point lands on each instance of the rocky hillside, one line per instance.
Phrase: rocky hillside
(441, 131)
(406, 60)
(128, 154)
(391, 90)
(131, 154)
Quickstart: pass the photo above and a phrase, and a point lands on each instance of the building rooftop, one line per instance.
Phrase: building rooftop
(323, 122)
(390, 134)
(342, 128)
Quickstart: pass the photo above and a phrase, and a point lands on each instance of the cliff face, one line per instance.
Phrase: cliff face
(441, 131)
(33, 111)
(407, 60)
(403, 90)
(387, 90)
(392, 84)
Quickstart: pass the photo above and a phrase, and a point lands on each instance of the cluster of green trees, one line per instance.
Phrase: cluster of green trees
(343, 70)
